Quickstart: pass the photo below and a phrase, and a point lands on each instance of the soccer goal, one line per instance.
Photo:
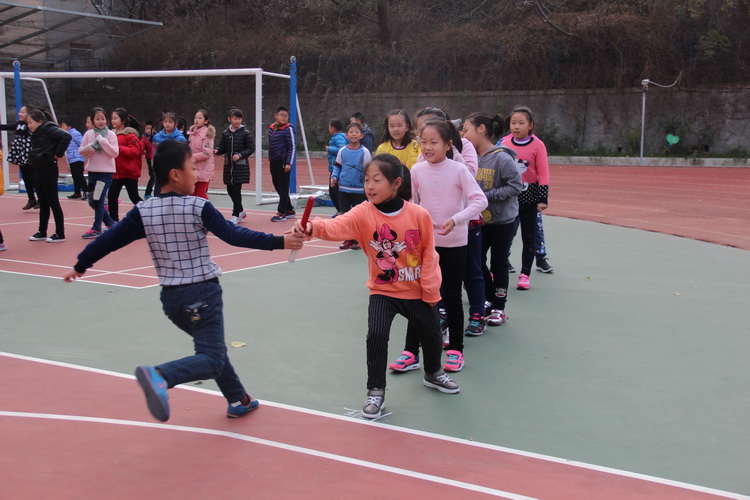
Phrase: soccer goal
(257, 73)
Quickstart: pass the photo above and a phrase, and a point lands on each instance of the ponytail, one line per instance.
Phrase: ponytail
(494, 127)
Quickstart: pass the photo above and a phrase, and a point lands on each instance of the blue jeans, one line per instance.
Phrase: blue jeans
(98, 198)
(197, 309)
(473, 275)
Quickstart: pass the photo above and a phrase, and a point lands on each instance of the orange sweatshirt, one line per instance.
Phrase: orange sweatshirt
(400, 248)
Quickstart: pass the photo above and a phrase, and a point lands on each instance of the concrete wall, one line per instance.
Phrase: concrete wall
(713, 121)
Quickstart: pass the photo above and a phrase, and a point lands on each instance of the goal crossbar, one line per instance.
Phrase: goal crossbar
(259, 73)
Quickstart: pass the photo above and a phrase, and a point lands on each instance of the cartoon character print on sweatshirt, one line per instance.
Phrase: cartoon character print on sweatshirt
(389, 250)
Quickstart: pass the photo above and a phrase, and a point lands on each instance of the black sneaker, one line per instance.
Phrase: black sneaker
(29, 205)
(511, 269)
(477, 325)
(56, 238)
(74, 196)
(38, 236)
(543, 265)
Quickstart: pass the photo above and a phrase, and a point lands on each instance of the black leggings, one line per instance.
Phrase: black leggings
(280, 180)
(131, 185)
(29, 178)
(79, 181)
(235, 193)
(527, 216)
(380, 314)
(46, 191)
(151, 177)
(452, 265)
(497, 238)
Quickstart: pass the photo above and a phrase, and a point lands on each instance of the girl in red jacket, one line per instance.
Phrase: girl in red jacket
(202, 135)
(128, 162)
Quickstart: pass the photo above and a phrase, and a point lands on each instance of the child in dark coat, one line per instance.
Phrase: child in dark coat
(236, 145)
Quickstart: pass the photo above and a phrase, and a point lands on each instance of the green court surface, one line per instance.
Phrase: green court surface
(632, 355)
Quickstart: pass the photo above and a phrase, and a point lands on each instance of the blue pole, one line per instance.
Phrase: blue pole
(293, 119)
(17, 81)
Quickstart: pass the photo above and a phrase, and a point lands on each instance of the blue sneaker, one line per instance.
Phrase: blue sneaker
(236, 410)
(278, 218)
(155, 388)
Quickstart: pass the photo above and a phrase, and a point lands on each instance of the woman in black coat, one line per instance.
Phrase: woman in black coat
(48, 144)
(236, 145)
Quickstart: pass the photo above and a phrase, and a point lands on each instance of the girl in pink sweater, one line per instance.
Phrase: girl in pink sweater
(99, 145)
(533, 200)
(202, 135)
(404, 277)
(451, 195)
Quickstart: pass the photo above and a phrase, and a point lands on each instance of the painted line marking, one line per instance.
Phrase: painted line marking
(275, 444)
(538, 456)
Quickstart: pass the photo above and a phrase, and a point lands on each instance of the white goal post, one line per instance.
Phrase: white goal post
(258, 73)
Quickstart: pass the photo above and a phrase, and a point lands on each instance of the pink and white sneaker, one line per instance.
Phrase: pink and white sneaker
(454, 361)
(523, 282)
(496, 318)
(404, 363)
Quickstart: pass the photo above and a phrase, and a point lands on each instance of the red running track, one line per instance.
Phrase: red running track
(70, 433)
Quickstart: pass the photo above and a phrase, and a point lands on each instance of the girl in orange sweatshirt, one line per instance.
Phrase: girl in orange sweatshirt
(397, 237)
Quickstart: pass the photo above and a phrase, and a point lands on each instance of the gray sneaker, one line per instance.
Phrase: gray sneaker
(442, 382)
(374, 404)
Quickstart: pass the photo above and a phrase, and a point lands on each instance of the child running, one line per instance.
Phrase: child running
(404, 277)
(349, 175)
(500, 180)
(100, 148)
(19, 154)
(533, 200)
(201, 141)
(176, 225)
(398, 138)
(449, 192)
(128, 163)
(48, 144)
(236, 145)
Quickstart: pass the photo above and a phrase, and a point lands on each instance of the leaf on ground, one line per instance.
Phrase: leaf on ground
(587, 278)
(677, 293)
(237, 344)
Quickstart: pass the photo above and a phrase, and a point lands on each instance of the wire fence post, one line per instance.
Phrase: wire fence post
(293, 120)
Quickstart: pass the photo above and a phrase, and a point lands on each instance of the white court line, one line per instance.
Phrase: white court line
(538, 456)
(60, 278)
(275, 444)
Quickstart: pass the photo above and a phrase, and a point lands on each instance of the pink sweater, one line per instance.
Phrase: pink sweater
(104, 159)
(534, 152)
(448, 191)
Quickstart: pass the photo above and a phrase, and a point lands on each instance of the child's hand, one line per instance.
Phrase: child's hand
(432, 304)
(71, 276)
(304, 231)
(333, 181)
(287, 168)
(447, 227)
(235, 157)
(293, 240)
(541, 207)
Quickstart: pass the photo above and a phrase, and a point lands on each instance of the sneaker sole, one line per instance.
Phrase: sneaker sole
(440, 388)
(158, 408)
(475, 334)
(522, 287)
(233, 415)
(56, 241)
(545, 271)
(496, 324)
(415, 366)
(371, 416)
(453, 370)
(38, 239)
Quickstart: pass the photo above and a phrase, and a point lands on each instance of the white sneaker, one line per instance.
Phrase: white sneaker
(235, 220)
(241, 216)
(496, 317)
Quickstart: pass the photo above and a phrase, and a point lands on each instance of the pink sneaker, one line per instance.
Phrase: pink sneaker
(496, 318)
(406, 362)
(454, 361)
(523, 282)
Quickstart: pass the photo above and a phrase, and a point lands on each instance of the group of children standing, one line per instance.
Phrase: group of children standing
(473, 194)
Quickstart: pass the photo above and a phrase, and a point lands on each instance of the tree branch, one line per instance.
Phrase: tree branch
(543, 14)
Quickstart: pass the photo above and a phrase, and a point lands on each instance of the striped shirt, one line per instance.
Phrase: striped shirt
(176, 228)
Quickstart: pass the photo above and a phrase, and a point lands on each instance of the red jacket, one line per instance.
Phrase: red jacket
(129, 161)
(148, 147)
